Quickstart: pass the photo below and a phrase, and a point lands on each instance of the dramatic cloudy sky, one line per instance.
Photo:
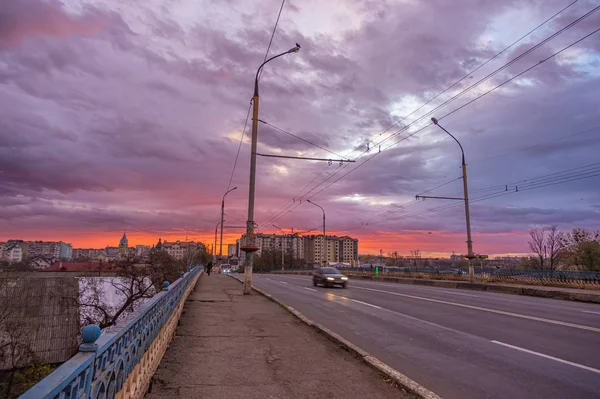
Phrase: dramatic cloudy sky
(126, 115)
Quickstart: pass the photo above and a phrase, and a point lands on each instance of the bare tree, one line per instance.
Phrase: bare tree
(583, 248)
(537, 244)
(107, 300)
(394, 256)
(190, 257)
(555, 244)
(416, 254)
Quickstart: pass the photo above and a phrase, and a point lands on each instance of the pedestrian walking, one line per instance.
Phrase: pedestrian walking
(209, 267)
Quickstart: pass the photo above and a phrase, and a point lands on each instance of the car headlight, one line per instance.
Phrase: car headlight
(344, 278)
(330, 278)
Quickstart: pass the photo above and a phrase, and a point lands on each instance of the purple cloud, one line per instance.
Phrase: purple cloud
(114, 118)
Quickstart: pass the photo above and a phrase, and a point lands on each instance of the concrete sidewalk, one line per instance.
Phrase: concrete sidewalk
(233, 346)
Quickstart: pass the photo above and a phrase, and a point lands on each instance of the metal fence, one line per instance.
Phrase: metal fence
(122, 361)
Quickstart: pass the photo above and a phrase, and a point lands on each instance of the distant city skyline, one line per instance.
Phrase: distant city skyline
(368, 245)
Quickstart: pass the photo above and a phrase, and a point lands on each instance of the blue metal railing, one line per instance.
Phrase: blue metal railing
(103, 365)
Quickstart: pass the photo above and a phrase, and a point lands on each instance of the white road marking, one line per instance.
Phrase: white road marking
(589, 311)
(462, 305)
(581, 366)
(310, 289)
(460, 293)
(364, 303)
(283, 282)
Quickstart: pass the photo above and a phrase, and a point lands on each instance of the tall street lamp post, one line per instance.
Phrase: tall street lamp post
(282, 246)
(250, 245)
(324, 236)
(214, 251)
(470, 254)
(222, 215)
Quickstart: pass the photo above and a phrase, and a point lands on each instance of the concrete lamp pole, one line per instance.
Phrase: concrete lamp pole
(282, 249)
(214, 251)
(222, 215)
(324, 236)
(250, 246)
(470, 254)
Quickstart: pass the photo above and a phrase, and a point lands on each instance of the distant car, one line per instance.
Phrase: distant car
(329, 276)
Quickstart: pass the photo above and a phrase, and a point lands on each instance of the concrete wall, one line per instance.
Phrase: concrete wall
(39, 319)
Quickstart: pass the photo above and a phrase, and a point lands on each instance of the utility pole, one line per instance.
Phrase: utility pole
(250, 246)
(214, 251)
(282, 246)
(470, 254)
(324, 236)
(222, 216)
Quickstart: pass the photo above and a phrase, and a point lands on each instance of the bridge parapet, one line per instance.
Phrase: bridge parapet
(120, 362)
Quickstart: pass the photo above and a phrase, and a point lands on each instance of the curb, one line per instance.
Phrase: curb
(372, 361)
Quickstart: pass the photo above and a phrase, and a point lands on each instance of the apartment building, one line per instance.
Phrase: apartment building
(50, 249)
(290, 243)
(142, 251)
(334, 249)
(87, 253)
(313, 248)
(232, 250)
(179, 249)
(12, 253)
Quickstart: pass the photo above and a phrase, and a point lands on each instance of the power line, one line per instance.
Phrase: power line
(456, 96)
(482, 65)
(235, 217)
(517, 185)
(494, 188)
(520, 56)
(526, 187)
(525, 71)
(272, 36)
(300, 138)
(250, 106)
(239, 146)
(535, 145)
(480, 96)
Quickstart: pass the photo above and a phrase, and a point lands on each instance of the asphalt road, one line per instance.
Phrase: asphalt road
(460, 344)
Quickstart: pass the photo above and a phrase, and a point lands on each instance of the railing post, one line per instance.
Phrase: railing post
(89, 335)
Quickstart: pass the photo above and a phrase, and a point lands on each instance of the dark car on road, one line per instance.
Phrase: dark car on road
(329, 276)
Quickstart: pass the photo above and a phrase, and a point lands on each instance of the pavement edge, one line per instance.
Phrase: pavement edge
(365, 356)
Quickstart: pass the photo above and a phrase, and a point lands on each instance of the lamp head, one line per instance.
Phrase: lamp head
(295, 49)
(434, 120)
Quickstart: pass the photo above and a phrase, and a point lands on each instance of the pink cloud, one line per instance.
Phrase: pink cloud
(20, 20)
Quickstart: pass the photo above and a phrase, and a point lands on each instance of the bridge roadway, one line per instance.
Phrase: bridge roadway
(457, 343)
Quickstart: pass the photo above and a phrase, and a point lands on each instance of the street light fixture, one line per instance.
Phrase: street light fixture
(222, 215)
(324, 236)
(470, 254)
(250, 245)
